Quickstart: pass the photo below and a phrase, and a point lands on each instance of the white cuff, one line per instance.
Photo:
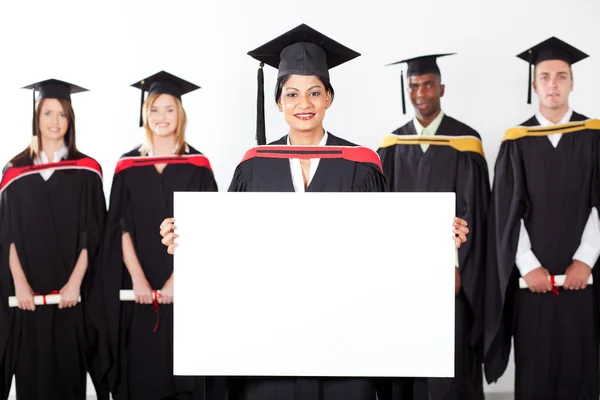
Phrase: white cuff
(527, 262)
(589, 247)
(456, 262)
(587, 254)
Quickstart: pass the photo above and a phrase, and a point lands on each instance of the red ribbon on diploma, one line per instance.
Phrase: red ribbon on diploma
(554, 285)
(44, 296)
(155, 296)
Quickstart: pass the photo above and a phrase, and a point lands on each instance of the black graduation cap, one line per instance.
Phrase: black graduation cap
(163, 83)
(550, 49)
(419, 66)
(52, 89)
(300, 51)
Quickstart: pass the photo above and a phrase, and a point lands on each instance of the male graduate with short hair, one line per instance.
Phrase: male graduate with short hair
(544, 228)
(437, 153)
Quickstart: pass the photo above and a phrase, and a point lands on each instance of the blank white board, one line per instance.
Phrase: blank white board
(314, 284)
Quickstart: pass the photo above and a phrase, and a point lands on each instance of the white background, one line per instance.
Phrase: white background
(107, 45)
(357, 302)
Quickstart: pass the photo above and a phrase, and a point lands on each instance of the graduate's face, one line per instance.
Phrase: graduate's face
(553, 83)
(425, 94)
(163, 116)
(53, 120)
(303, 102)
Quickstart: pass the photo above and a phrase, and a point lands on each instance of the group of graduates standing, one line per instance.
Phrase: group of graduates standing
(538, 221)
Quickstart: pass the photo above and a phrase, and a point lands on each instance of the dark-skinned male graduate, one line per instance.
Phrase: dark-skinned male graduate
(437, 153)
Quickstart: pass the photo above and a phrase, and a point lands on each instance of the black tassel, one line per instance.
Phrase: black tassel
(142, 107)
(529, 85)
(402, 88)
(33, 124)
(261, 136)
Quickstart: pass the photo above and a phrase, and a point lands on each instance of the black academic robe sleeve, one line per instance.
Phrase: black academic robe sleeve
(6, 313)
(369, 178)
(91, 213)
(122, 219)
(508, 205)
(388, 163)
(241, 177)
(91, 234)
(119, 221)
(473, 189)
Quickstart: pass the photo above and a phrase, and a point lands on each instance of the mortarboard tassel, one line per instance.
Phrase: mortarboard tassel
(261, 136)
(142, 107)
(34, 130)
(402, 87)
(529, 86)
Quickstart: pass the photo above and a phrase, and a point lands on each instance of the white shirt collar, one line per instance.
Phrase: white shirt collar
(60, 153)
(42, 158)
(433, 126)
(321, 143)
(545, 122)
(296, 168)
(151, 152)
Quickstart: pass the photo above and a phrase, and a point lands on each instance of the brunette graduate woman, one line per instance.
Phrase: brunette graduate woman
(52, 215)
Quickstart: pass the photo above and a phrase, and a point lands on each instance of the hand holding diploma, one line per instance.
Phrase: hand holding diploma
(69, 295)
(23, 296)
(559, 280)
(38, 300)
(577, 276)
(166, 293)
(142, 290)
(538, 280)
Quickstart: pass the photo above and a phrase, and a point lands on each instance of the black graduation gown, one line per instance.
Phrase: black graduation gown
(141, 198)
(453, 162)
(49, 350)
(260, 172)
(553, 190)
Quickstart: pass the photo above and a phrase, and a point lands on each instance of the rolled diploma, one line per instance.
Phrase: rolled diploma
(558, 279)
(128, 295)
(38, 300)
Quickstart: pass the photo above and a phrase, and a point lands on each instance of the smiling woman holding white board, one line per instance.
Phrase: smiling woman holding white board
(309, 159)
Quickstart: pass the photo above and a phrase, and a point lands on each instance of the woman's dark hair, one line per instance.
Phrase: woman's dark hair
(281, 81)
(35, 146)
